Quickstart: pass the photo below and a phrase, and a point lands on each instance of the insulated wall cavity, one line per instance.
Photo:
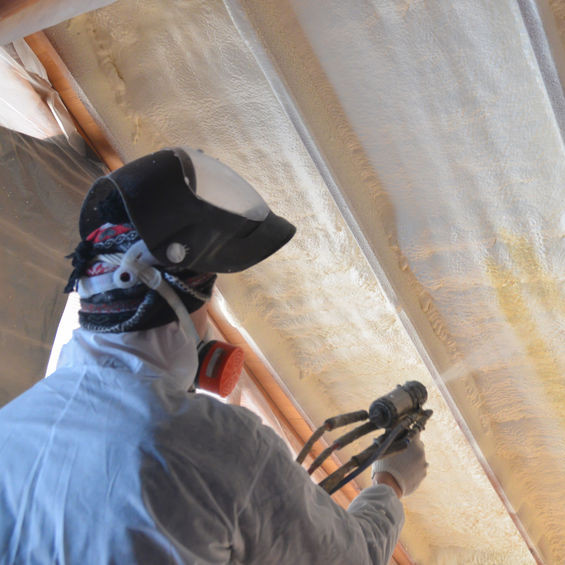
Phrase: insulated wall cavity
(433, 123)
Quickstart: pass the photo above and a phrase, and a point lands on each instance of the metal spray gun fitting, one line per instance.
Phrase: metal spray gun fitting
(399, 413)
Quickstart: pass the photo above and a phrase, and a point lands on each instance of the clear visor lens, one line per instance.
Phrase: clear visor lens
(218, 185)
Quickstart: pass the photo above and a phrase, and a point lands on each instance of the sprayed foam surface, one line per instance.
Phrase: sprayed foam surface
(435, 122)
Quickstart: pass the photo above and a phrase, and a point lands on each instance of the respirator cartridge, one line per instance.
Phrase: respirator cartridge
(219, 367)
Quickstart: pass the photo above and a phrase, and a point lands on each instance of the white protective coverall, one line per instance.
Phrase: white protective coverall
(109, 460)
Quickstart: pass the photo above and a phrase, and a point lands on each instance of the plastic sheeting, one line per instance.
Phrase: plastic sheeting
(42, 184)
(28, 102)
(43, 177)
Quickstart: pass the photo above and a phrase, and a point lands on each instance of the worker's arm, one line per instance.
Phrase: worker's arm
(385, 478)
(230, 491)
(289, 519)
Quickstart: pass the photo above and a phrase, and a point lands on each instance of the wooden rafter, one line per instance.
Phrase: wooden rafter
(62, 81)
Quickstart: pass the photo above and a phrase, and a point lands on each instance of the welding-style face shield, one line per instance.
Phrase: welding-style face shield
(191, 211)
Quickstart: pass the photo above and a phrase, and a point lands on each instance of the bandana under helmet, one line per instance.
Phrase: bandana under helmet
(126, 309)
(203, 219)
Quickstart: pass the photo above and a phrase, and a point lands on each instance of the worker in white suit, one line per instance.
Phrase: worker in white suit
(111, 460)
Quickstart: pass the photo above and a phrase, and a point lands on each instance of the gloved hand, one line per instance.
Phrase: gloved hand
(408, 467)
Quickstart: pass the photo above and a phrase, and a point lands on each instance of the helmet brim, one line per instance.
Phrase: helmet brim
(161, 197)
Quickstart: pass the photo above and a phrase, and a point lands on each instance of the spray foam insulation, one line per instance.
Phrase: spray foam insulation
(433, 122)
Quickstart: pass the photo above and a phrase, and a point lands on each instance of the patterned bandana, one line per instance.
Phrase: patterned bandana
(127, 309)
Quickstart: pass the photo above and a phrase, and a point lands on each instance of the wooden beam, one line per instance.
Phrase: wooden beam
(12, 8)
(62, 81)
(19, 18)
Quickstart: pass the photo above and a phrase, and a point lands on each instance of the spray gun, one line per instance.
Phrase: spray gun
(399, 413)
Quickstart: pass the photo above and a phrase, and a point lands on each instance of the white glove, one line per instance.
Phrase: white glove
(408, 467)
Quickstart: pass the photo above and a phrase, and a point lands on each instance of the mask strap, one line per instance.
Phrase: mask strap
(135, 265)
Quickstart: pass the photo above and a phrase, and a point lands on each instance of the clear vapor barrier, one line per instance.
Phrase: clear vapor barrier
(42, 183)
(44, 173)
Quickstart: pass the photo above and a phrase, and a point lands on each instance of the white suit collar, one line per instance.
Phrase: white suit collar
(160, 352)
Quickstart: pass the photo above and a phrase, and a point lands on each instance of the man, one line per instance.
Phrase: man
(111, 460)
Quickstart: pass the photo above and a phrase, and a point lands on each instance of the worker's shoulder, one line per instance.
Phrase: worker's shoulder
(202, 438)
(225, 424)
(204, 408)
